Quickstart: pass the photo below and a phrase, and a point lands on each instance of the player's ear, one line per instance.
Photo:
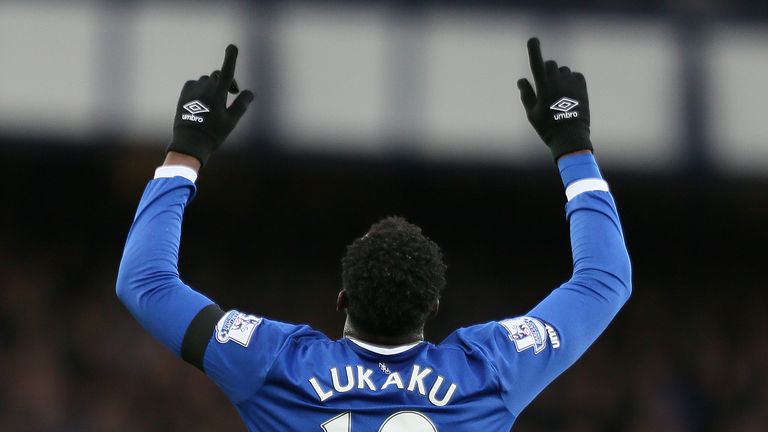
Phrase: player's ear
(341, 301)
(435, 308)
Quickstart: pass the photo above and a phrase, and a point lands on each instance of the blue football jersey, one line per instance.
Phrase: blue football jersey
(286, 377)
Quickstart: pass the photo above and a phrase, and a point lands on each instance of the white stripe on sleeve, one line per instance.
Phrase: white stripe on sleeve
(170, 171)
(586, 185)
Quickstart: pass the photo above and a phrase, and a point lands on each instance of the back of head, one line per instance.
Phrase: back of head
(393, 278)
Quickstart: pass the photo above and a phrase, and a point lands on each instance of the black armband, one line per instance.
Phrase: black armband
(199, 334)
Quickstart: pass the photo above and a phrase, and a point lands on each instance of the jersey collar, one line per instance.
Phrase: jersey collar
(382, 350)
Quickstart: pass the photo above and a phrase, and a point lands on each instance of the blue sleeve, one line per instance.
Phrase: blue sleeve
(529, 352)
(148, 281)
(244, 348)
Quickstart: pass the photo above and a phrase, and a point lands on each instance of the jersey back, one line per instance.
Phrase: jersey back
(285, 377)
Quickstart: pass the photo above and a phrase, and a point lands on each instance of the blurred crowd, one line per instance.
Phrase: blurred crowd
(80, 363)
(683, 356)
(690, 367)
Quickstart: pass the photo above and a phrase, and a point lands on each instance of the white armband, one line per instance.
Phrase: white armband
(585, 185)
(170, 171)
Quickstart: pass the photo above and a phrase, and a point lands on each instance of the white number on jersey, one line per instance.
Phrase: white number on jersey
(401, 421)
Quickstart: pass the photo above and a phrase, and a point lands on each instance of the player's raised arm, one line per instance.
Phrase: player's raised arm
(530, 351)
(148, 281)
(581, 308)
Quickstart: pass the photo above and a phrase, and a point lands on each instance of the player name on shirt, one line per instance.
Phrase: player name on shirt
(421, 380)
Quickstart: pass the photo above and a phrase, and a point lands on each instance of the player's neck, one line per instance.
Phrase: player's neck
(383, 341)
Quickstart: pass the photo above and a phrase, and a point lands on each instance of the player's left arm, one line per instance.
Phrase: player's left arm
(571, 318)
(577, 312)
(532, 350)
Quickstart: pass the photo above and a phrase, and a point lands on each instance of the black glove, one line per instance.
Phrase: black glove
(559, 109)
(203, 120)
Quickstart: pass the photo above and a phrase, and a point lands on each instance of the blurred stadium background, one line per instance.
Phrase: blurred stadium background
(366, 109)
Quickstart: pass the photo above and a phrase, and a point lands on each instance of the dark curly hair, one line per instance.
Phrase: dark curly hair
(393, 276)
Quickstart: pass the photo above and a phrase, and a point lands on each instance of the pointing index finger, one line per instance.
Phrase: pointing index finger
(228, 68)
(537, 63)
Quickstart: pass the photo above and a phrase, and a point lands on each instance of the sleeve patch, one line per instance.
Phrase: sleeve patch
(237, 327)
(527, 332)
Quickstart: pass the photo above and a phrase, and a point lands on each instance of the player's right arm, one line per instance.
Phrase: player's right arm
(531, 351)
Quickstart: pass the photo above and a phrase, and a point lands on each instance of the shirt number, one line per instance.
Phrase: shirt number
(401, 421)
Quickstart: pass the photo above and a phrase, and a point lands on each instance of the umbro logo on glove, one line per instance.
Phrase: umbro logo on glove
(195, 107)
(565, 105)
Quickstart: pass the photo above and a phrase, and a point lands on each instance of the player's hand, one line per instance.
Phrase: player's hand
(203, 121)
(559, 108)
